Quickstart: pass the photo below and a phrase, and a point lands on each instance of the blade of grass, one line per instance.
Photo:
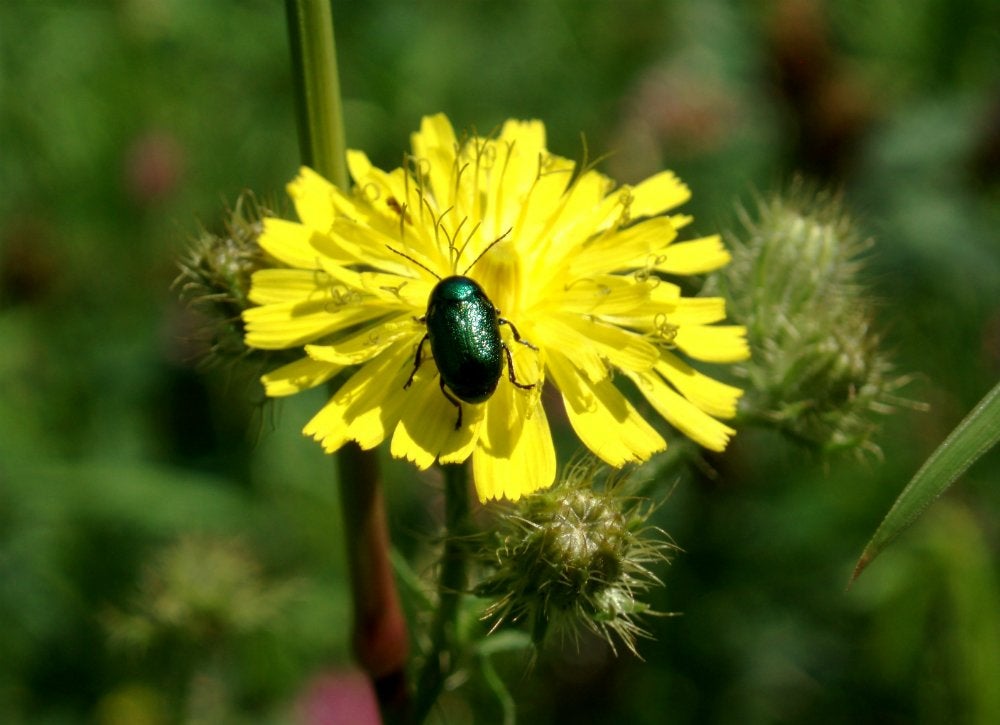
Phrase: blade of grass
(976, 434)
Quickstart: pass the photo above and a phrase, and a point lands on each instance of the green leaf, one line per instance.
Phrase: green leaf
(975, 435)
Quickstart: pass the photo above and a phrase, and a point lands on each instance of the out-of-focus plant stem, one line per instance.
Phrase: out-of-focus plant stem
(380, 635)
(317, 88)
(451, 584)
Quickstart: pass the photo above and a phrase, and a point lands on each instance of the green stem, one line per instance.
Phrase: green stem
(381, 643)
(317, 88)
(451, 584)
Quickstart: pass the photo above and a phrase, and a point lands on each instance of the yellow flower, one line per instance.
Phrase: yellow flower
(571, 261)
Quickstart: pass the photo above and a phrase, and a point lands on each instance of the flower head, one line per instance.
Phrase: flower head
(215, 277)
(819, 372)
(576, 557)
(573, 263)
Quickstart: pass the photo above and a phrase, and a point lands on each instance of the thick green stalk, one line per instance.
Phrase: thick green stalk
(317, 88)
(451, 584)
(381, 644)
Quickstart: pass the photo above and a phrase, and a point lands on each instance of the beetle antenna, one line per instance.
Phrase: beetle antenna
(419, 264)
(488, 248)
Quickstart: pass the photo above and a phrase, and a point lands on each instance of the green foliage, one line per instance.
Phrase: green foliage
(978, 432)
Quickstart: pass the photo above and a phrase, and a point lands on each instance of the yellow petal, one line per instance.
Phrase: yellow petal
(272, 285)
(528, 466)
(696, 311)
(435, 132)
(406, 291)
(369, 342)
(289, 242)
(541, 205)
(314, 199)
(603, 419)
(427, 421)
(716, 343)
(370, 427)
(416, 256)
(358, 165)
(714, 397)
(587, 207)
(297, 376)
(634, 247)
(518, 152)
(695, 256)
(665, 307)
(367, 406)
(682, 414)
(434, 149)
(374, 185)
(526, 136)
(559, 336)
(462, 443)
(681, 220)
(657, 194)
(594, 344)
(504, 420)
(602, 295)
(288, 324)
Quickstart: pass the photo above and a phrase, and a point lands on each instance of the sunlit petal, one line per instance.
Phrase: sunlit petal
(298, 376)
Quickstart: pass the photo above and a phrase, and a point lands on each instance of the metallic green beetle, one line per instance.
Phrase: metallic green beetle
(463, 328)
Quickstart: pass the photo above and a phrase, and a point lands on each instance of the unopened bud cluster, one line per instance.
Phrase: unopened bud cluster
(215, 278)
(817, 370)
(575, 557)
(203, 591)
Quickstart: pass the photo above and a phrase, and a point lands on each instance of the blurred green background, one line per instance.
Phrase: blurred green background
(170, 546)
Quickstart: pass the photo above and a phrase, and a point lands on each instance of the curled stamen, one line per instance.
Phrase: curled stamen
(370, 192)
(664, 330)
(625, 198)
(419, 167)
(580, 280)
(648, 277)
(485, 154)
(321, 278)
(397, 290)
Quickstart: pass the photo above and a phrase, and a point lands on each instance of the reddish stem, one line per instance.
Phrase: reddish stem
(381, 644)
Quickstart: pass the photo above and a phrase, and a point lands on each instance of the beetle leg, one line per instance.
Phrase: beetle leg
(517, 335)
(418, 358)
(453, 401)
(510, 372)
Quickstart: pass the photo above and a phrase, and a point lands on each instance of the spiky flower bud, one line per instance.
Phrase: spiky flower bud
(215, 278)
(203, 591)
(575, 557)
(818, 371)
